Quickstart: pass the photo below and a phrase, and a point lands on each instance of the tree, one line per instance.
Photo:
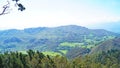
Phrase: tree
(6, 7)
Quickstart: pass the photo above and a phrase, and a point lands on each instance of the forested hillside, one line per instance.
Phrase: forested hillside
(59, 47)
(112, 44)
(32, 59)
(76, 34)
(56, 41)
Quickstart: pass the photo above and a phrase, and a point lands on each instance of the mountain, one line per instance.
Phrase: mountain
(57, 39)
(110, 26)
(112, 44)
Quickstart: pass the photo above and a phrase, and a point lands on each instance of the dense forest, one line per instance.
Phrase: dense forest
(60, 47)
(60, 39)
(36, 59)
(65, 46)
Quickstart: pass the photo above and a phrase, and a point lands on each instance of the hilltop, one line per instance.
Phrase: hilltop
(58, 40)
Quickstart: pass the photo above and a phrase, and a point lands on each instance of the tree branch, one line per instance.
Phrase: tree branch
(5, 7)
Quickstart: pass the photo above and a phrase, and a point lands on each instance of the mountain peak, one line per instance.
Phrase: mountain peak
(74, 26)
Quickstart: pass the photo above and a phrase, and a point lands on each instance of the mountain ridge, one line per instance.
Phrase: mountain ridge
(57, 39)
(111, 44)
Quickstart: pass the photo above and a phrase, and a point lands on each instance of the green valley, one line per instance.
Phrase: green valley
(53, 41)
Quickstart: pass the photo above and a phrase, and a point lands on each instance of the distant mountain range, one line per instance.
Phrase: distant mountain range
(110, 26)
(62, 40)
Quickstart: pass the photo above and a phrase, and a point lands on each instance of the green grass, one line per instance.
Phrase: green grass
(88, 40)
(71, 44)
(63, 51)
(23, 52)
(51, 53)
(90, 46)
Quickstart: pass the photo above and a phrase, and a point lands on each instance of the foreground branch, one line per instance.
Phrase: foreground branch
(5, 7)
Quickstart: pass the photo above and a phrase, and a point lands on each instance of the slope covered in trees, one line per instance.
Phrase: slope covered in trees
(60, 40)
(32, 59)
(112, 44)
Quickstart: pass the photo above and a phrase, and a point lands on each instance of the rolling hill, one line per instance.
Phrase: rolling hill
(57, 39)
(112, 44)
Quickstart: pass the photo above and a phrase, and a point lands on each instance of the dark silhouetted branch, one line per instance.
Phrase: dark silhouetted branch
(5, 7)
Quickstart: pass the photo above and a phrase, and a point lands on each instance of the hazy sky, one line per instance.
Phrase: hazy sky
(53, 13)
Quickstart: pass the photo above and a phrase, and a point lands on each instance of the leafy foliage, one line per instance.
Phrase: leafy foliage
(36, 59)
(52, 39)
(112, 44)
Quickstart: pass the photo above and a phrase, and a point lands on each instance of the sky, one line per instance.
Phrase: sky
(52, 13)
